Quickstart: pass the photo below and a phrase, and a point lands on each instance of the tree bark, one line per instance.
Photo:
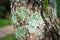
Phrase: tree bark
(50, 27)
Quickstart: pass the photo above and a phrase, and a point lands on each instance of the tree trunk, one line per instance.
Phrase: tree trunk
(46, 30)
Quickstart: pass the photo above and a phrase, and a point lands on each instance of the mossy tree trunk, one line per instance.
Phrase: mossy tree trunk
(47, 29)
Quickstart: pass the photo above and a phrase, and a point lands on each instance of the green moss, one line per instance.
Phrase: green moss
(45, 2)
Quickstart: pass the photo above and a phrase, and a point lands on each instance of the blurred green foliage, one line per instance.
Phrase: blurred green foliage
(58, 8)
(2, 11)
(45, 2)
(4, 22)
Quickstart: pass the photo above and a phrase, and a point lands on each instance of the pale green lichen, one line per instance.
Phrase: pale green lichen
(31, 29)
(34, 22)
(14, 18)
(22, 13)
(35, 19)
(19, 32)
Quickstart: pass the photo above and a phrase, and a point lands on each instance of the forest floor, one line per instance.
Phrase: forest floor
(6, 31)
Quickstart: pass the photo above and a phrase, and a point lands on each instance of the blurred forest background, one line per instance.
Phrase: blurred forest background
(4, 8)
(5, 14)
(5, 20)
